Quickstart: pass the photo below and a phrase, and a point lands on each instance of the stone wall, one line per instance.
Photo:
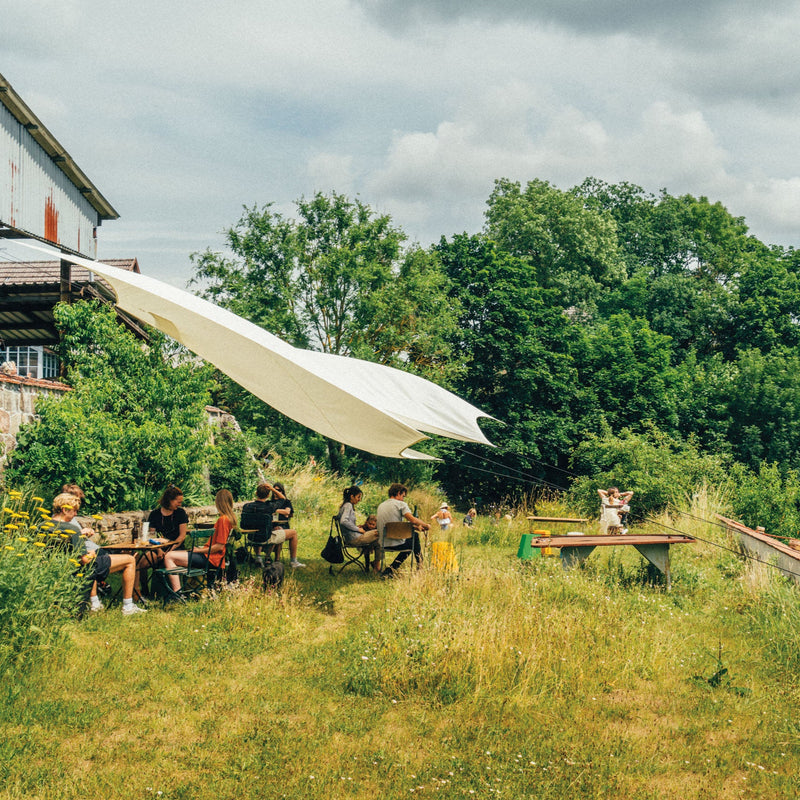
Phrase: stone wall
(18, 397)
(125, 526)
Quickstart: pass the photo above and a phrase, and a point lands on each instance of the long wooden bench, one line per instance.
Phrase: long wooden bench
(574, 550)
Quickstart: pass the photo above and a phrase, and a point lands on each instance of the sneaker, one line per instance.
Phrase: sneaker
(296, 564)
(132, 609)
(624, 530)
(98, 607)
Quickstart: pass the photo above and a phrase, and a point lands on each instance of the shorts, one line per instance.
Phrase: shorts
(102, 566)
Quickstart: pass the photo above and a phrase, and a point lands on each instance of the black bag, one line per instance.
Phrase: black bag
(272, 576)
(332, 552)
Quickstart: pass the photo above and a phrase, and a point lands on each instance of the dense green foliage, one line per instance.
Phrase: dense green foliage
(134, 422)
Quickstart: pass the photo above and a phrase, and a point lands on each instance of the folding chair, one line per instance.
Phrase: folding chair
(404, 534)
(192, 579)
(353, 553)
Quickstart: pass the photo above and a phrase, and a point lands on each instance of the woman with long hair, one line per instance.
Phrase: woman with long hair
(211, 555)
(357, 535)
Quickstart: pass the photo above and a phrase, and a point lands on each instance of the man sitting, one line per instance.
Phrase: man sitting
(257, 516)
(395, 509)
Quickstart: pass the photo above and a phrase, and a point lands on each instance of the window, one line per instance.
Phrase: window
(38, 362)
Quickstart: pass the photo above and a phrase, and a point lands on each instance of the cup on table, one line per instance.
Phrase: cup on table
(145, 533)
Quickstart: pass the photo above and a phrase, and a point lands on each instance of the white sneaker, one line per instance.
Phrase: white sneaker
(296, 564)
(132, 609)
(624, 530)
(98, 607)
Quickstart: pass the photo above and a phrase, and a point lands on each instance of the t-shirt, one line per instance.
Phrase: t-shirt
(168, 525)
(222, 530)
(391, 510)
(284, 519)
(257, 516)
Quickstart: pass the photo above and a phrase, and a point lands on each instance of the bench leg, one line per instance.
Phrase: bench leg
(574, 556)
(658, 556)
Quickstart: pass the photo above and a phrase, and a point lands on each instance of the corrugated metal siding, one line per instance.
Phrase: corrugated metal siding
(36, 196)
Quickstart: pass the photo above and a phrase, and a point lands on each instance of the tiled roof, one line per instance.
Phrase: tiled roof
(47, 273)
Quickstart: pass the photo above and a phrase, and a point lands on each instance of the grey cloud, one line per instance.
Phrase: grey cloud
(683, 18)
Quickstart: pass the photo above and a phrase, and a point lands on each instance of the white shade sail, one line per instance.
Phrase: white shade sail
(370, 406)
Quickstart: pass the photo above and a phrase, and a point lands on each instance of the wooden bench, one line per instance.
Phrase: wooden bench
(574, 550)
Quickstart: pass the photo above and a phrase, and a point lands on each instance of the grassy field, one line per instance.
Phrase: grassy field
(507, 679)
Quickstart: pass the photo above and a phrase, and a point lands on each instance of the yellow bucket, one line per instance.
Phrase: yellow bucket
(546, 551)
(443, 557)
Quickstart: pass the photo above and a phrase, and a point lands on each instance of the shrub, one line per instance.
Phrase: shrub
(134, 422)
(658, 469)
(39, 588)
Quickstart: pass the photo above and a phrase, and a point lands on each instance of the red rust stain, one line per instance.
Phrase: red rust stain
(12, 220)
(50, 220)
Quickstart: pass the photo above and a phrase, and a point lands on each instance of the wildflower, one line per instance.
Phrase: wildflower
(8, 510)
(12, 527)
(20, 555)
(15, 493)
(97, 516)
(22, 539)
(74, 562)
(9, 547)
(38, 499)
(39, 544)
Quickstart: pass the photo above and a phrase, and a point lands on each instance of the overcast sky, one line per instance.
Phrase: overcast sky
(183, 112)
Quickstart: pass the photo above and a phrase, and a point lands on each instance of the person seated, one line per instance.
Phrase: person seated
(168, 523)
(211, 555)
(469, 519)
(443, 517)
(355, 535)
(65, 508)
(370, 523)
(395, 509)
(257, 517)
(285, 512)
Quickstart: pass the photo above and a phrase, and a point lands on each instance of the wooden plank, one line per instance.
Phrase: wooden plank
(606, 541)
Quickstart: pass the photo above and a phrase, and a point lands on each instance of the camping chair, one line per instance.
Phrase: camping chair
(402, 533)
(192, 579)
(353, 553)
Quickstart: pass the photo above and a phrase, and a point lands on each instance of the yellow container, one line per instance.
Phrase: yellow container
(443, 557)
(546, 551)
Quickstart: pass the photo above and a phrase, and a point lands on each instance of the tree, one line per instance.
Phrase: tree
(133, 423)
(335, 279)
(571, 248)
(515, 339)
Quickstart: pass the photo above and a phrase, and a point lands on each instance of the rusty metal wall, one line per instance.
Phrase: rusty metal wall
(36, 197)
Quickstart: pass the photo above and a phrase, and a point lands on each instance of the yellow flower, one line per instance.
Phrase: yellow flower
(97, 516)
(20, 555)
(75, 562)
(15, 494)
(12, 527)
(38, 499)
(8, 510)
(9, 547)
(22, 539)
(39, 544)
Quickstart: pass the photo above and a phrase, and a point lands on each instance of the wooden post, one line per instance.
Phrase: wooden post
(65, 288)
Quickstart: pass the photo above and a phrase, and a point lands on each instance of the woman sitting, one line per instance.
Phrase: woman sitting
(354, 534)
(208, 555)
(168, 523)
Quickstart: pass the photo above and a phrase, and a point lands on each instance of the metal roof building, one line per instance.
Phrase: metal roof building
(43, 193)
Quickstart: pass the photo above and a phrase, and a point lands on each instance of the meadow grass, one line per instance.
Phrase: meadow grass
(507, 678)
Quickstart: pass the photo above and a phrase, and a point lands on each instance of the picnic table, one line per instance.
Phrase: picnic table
(574, 550)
